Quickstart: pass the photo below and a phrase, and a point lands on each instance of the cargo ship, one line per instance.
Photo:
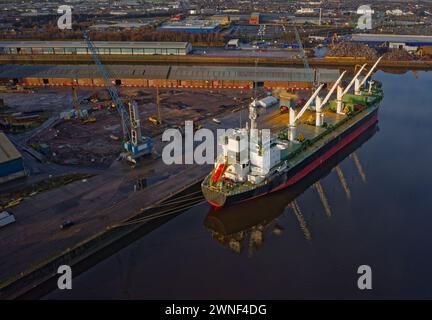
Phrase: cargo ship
(239, 219)
(254, 162)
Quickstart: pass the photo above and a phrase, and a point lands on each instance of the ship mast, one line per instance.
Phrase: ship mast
(253, 115)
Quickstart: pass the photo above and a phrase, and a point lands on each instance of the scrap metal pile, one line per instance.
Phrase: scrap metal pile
(349, 49)
(398, 55)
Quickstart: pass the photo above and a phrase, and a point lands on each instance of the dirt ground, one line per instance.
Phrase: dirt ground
(76, 143)
(179, 105)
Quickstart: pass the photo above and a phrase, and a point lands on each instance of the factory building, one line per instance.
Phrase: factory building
(255, 18)
(167, 76)
(407, 42)
(11, 162)
(224, 19)
(193, 26)
(103, 47)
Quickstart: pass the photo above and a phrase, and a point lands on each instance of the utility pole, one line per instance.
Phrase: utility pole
(76, 103)
(158, 105)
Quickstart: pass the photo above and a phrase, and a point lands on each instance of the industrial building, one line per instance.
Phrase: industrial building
(193, 26)
(167, 76)
(393, 41)
(233, 44)
(11, 162)
(103, 47)
(225, 19)
(255, 18)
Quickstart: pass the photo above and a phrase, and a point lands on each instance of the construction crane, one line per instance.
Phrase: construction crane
(334, 40)
(157, 119)
(80, 114)
(158, 101)
(135, 144)
(75, 103)
(303, 54)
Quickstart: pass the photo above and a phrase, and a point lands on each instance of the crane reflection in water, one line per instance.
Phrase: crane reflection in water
(245, 224)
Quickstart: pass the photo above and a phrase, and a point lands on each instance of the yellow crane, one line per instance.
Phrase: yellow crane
(75, 103)
(156, 120)
(83, 117)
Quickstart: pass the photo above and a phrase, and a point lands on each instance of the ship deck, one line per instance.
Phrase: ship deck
(276, 121)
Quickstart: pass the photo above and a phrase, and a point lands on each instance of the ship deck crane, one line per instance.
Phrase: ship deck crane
(355, 81)
(135, 144)
(293, 117)
(321, 104)
(360, 84)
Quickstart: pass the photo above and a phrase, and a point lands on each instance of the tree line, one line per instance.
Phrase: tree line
(50, 31)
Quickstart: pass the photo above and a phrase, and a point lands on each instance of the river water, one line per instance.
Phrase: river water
(377, 211)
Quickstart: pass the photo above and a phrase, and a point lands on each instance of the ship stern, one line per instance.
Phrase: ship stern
(213, 196)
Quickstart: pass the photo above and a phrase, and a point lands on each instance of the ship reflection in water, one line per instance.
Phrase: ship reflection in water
(246, 224)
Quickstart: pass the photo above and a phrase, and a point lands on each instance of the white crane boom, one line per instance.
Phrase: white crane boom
(326, 99)
(308, 103)
(353, 80)
(370, 71)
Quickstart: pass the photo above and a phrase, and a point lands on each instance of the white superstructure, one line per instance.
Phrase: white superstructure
(248, 154)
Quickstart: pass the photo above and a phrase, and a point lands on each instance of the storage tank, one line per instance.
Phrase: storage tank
(267, 102)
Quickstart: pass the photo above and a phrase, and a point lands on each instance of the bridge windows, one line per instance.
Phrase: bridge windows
(81, 50)
(126, 51)
(59, 50)
(172, 51)
(70, 50)
(26, 50)
(138, 51)
(150, 51)
(37, 50)
(115, 51)
(48, 50)
(104, 48)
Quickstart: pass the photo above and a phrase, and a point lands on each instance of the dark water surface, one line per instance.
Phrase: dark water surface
(384, 222)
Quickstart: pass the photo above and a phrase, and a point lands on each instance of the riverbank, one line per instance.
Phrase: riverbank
(38, 278)
(210, 60)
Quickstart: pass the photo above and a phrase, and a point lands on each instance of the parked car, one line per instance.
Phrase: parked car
(66, 224)
(6, 218)
(283, 109)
